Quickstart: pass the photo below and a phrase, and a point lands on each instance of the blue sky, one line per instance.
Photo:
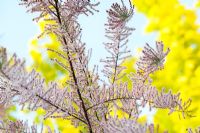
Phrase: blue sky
(17, 29)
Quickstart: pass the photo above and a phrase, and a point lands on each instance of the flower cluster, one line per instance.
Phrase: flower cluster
(152, 60)
(84, 100)
(117, 32)
(118, 16)
(17, 127)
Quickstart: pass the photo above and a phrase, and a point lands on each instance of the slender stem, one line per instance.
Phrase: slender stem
(116, 63)
(111, 100)
(73, 71)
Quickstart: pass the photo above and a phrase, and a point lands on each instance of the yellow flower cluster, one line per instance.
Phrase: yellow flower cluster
(177, 27)
(41, 59)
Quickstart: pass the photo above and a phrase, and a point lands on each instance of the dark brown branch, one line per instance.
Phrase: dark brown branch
(73, 71)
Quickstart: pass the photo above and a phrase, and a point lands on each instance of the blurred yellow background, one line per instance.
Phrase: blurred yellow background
(177, 25)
